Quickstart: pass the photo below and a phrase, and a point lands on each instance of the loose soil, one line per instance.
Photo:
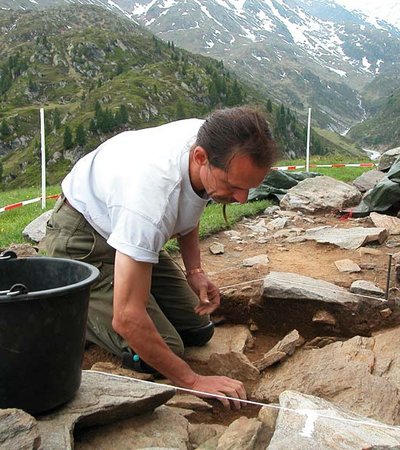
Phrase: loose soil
(306, 258)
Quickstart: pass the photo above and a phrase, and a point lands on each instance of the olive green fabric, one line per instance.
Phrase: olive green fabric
(170, 305)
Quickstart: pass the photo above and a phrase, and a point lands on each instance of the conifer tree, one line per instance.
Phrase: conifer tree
(5, 130)
(80, 135)
(68, 143)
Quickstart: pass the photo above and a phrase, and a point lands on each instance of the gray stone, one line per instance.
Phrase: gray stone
(262, 260)
(347, 265)
(18, 430)
(392, 224)
(361, 374)
(234, 365)
(164, 429)
(271, 210)
(320, 194)
(388, 158)
(364, 287)
(102, 398)
(244, 434)
(311, 423)
(348, 238)
(368, 180)
(291, 301)
(277, 224)
(36, 230)
(217, 248)
(284, 348)
(226, 339)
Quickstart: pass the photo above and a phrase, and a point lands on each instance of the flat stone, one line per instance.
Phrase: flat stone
(217, 248)
(324, 317)
(199, 433)
(259, 259)
(369, 251)
(347, 265)
(114, 369)
(390, 223)
(364, 287)
(188, 401)
(101, 398)
(291, 301)
(284, 348)
(163, 429)
(234, 365)
(18, 430)
(36, 230)
(347, 238)
(226, 339)
(277, 224)
(388, 158)
(304, 423)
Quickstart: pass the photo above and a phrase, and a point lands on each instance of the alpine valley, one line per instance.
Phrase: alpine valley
(83, 56)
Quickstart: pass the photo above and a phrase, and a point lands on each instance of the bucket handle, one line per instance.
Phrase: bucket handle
(8, 254)
(15, 289)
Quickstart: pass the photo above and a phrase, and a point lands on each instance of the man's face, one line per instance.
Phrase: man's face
(232, 185)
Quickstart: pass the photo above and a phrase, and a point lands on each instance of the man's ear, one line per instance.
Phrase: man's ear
(200, 156)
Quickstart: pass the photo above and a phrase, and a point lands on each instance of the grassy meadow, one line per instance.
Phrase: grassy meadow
(14, 221)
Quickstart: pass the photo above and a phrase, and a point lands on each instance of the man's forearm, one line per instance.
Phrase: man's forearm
(190, 249)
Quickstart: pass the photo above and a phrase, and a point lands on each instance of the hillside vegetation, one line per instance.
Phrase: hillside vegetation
(96, 74)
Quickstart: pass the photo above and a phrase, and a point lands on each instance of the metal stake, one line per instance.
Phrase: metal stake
(388, 277)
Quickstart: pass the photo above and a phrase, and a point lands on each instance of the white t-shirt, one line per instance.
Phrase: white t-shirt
(135, 189)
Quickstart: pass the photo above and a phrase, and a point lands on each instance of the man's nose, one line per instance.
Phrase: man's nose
(240, 195)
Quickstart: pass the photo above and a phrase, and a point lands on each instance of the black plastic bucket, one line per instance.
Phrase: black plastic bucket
(42, 332)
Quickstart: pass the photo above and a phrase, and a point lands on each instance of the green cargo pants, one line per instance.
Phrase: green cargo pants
(171, 302)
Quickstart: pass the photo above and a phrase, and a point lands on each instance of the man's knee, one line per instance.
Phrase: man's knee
(196, 337)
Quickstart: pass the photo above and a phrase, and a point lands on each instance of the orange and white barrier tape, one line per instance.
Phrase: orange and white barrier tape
(313, 166)
(26, 202)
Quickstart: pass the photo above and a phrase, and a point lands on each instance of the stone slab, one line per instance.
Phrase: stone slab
(347, 265)
(392, 224)
(18, 430)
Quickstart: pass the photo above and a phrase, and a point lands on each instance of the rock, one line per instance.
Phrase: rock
(234, 365)
(348, 238)
(321, 341)
(392, 243)
(101, 398)
(385, 313)
(320, 194)
(310, 423)
(36, 230)
(201, 432)
(347, 265)
(361, 374)
(18, 430)
(364, 287)
(226, 339)
(388, 158)
(271, 210)
(244, 434)
(281, 350)
(259, 259)
(295, 240)
(258, 226)
(164, 428)
(368, 180)
(291, 301)
(217, 248)
(324, 317)
(392, 224)
(268, 415)
(370, 251)
(277, 224)
(187, 401)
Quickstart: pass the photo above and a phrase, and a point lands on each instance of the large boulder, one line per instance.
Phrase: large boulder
(310, 423)
(321, 194)
(361, 374)
(368, 180)
(388, 158)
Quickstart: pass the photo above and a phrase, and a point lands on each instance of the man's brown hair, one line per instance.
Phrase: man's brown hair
(241, 130)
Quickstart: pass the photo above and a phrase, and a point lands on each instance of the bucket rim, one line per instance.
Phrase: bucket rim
(58, 291)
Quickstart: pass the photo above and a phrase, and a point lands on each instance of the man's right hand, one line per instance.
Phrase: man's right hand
(223, 386)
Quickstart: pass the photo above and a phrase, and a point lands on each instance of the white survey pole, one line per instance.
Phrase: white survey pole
(308, 141)
(43, 152)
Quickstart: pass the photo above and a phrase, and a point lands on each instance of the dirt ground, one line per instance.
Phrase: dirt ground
(305, 258)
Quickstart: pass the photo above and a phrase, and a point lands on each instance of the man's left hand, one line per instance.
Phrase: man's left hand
(207, 292)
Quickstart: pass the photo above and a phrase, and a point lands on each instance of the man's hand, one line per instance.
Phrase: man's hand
(222, 386)
(207, 292)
